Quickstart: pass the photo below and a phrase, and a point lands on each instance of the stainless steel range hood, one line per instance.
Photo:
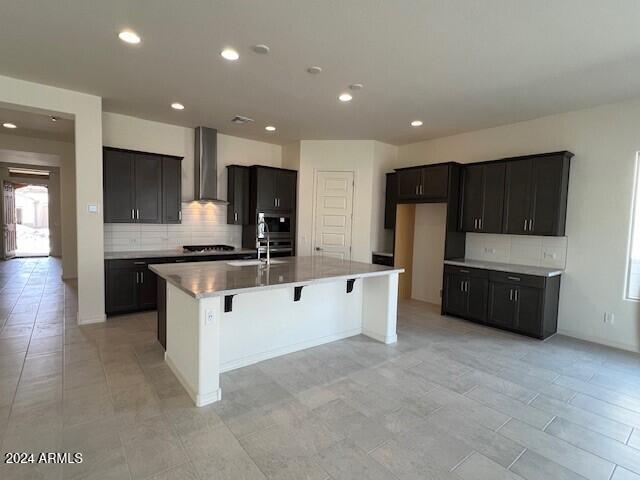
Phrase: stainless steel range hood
(206, 166)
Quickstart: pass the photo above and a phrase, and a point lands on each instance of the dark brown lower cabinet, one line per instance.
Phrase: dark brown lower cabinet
(465, 292)
(526, 304)
(130, 286)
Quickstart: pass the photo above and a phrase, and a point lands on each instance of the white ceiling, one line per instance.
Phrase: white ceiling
(458, 65)
(38, 125)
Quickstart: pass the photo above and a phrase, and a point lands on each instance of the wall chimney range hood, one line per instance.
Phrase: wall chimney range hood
(206, 166)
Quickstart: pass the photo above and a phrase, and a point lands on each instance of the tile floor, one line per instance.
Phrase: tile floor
(452, 400)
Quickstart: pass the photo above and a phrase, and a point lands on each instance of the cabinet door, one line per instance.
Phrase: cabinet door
(238, 195)
(147, 289)
(266, 188)
(390, 201)
(546, 187)
(286, 190)
(493, 198)
(118, 181)
(148, 188)
(517, 196)
(472, 197)
(122, 288)
(455, 296)
(171, 190)
(435, 182)
(502, 305)
(478, 289)
(408, 183)
(529, 318)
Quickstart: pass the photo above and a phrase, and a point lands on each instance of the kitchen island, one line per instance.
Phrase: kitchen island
(228, 314)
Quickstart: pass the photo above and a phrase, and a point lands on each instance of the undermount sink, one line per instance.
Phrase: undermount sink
(244, 263)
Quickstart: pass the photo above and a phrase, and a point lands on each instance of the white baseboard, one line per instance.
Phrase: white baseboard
(199, 400)
(90, 320)
(266, 355)
(602, 341)
(381, 338)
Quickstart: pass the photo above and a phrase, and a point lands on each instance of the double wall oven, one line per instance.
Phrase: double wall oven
(281, 227)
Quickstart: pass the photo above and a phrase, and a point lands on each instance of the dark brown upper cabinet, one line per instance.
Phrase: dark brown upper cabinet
(423, 184)
(238, 195)
(482, 197)
(171, 190)
(275, 188)
(135, 190)
(391, 194)
(536, 190)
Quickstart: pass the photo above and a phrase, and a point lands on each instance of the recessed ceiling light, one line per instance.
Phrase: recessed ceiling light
(177, 106)
(9, 125)
(345, 97)
(53, 118)
(230, 54)
(129, 36)
(416, 123)
(261, 49)
(270, 128)
(314, 70)
(356, 86)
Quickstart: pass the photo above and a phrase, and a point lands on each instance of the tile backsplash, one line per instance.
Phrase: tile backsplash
(517, 249)
(202, 223)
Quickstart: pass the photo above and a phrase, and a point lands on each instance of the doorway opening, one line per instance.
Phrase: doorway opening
(27, 213)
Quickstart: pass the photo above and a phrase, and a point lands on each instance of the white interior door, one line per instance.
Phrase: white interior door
(333, 211)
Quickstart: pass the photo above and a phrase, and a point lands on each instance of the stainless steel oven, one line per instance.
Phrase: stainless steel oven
(279, 225)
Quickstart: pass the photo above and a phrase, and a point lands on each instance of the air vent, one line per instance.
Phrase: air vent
(240, 120)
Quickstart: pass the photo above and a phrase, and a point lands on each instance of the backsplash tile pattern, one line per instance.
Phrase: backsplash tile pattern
(517, 249)
(202, 223)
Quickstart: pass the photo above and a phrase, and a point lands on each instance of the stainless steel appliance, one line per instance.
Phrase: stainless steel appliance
(208, 248)
(279, 225)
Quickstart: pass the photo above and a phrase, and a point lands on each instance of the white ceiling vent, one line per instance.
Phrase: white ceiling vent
(240, 120)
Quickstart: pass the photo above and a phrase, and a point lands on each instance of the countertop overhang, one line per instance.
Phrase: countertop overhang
(211, 279)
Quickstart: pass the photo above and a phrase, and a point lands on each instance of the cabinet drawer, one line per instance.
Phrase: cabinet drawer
(472, 272)
(517, 279)
(133, 262)
(382, 260)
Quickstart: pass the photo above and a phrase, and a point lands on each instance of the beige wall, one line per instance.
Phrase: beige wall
(87, 113)
(35, 151)
(133, 133)
(428, 252)
(368, 160)
(605, 141)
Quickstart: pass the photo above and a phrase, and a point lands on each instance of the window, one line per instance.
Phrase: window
(633, 269)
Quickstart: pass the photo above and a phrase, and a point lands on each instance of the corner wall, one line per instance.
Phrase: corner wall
(605, 141)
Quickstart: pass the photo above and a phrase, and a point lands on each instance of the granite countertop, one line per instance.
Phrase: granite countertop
(506, 267)
(171, 253)
(383, 254)
(210, 279)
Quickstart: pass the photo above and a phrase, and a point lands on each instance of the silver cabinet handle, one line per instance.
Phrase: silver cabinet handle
(515, 279)
(525, 224)
(516, 290)
(480, 223)
(180, 215)
(139, 263)
(133, 215)
(421, 189)
(463, 271)
(510, 294)
(462, 286)
(137, 277)
(531, 224)
(141, 277)
(466, 286)
(235, 216)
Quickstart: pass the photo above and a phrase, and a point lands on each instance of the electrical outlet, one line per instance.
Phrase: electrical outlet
(208, 318)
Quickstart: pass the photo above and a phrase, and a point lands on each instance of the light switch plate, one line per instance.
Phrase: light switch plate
(92, 208)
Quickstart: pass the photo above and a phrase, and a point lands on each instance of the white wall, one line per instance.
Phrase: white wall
(86, 111)
(367, 159)
(36, 151)
(605, 141)
(428, 252)
(548, 252)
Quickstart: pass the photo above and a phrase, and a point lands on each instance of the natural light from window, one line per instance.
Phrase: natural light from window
(633, 270)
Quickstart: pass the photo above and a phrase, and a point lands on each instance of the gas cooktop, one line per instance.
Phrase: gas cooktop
(208, 248)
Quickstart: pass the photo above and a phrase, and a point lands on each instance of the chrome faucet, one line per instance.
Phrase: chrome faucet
(263, 224)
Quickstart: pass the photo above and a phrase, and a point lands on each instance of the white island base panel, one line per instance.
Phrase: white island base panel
(204, 341)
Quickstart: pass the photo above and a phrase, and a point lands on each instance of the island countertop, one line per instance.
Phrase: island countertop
(210, 279)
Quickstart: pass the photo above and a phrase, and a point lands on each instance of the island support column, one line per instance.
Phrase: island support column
(380, 307)
(193, 343)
